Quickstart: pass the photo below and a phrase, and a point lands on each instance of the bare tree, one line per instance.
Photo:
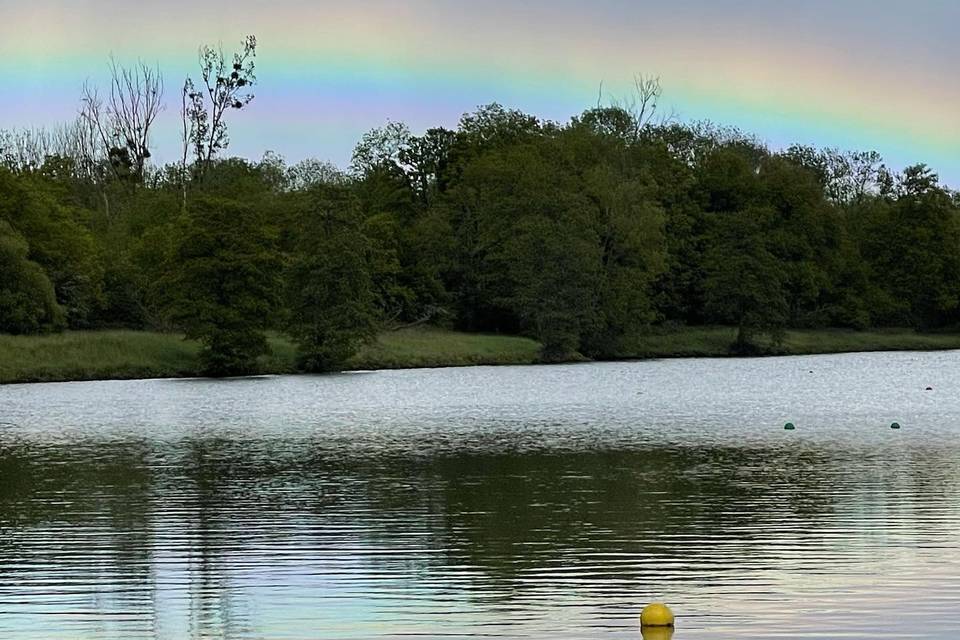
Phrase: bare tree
(75, 142)
(122, 119)
(225, 86)
(637, 112)
(643, 104)
(23, 149)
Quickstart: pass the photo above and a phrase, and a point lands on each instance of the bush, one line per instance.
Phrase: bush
(27, 300)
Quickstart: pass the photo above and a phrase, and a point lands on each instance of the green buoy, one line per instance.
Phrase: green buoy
(895, 425)
(789, 426)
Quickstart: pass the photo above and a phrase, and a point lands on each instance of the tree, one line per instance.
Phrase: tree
(329, 310)
(124, 117)
(805, 236)
(528, 257)
(398, 178)
(225, 86)
(380, 147)
(744, 283)
(911, 247)
(555, 278)
(311, 172)
(427, 159)
(629, 227)
(58, 241)
(75, 144)
(917, 180)
(846, 177)
(608, 121)
(27, 300)
(632, 115)
(223, 283)
(623, 216)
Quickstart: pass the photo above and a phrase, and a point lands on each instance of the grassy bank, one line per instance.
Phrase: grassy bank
(94, 355)
(133, 354)
(439, 348)
(715, 341)
(97, 355)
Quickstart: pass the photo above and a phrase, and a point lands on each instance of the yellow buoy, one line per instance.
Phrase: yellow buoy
(656, 615)
(656, 633)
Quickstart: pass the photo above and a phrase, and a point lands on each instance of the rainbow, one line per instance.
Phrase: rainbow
(866, 75)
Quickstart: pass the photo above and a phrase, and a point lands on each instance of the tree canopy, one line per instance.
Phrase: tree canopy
(583, 235)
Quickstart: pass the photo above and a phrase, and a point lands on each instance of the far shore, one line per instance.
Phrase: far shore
(125, 355)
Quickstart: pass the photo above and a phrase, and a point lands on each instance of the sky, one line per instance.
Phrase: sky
(878, 75)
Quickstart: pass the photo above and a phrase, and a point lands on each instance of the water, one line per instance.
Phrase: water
(514, 502)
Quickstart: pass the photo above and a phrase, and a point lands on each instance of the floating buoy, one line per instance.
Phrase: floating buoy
(656, 615)
(929, 389)
(895, 425)
(656, 633)
(789, 426)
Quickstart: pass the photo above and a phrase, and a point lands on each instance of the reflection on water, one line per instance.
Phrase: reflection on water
(540, 502)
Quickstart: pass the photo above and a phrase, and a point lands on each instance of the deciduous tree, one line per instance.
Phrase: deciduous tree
(223, 284)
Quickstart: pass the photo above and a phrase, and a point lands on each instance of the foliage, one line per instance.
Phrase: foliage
(745, 282)
(223, 283)
(329, 296)
(225, 85)
(586, 236)
(27, 300)
(57, 240)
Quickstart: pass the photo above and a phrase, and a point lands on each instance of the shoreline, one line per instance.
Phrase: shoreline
(134, 355)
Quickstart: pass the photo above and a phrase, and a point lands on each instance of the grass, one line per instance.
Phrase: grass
(715, 341)
(428, 347)
(687, 342)
(98, 355)
(95, 355)
(837, 341)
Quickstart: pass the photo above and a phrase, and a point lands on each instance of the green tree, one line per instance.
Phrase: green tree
(805, 236)
(555, 278)
(911, 246)
(328, 293)
(223, 284)
(58, 241)
(622, 216)
(397, 181)
(744, 283)
(528, 255)
(27, 301)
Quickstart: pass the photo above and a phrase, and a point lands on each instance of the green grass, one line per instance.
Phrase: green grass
(97, 355)
(100, 355)
(428, 347)
(683, 343)
(716, 341)
(837, 341)
(92, 355)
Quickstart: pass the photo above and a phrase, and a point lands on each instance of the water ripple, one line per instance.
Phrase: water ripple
(516, 502)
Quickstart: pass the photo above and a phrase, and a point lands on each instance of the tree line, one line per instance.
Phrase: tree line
(582, 235)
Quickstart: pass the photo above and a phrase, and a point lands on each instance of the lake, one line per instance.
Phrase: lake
(495, 502)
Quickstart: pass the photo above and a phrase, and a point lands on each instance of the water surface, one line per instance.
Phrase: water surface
(509, 502)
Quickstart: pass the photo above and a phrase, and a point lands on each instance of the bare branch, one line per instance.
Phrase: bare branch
(642, 103)
(26, 150)
(122, 120)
